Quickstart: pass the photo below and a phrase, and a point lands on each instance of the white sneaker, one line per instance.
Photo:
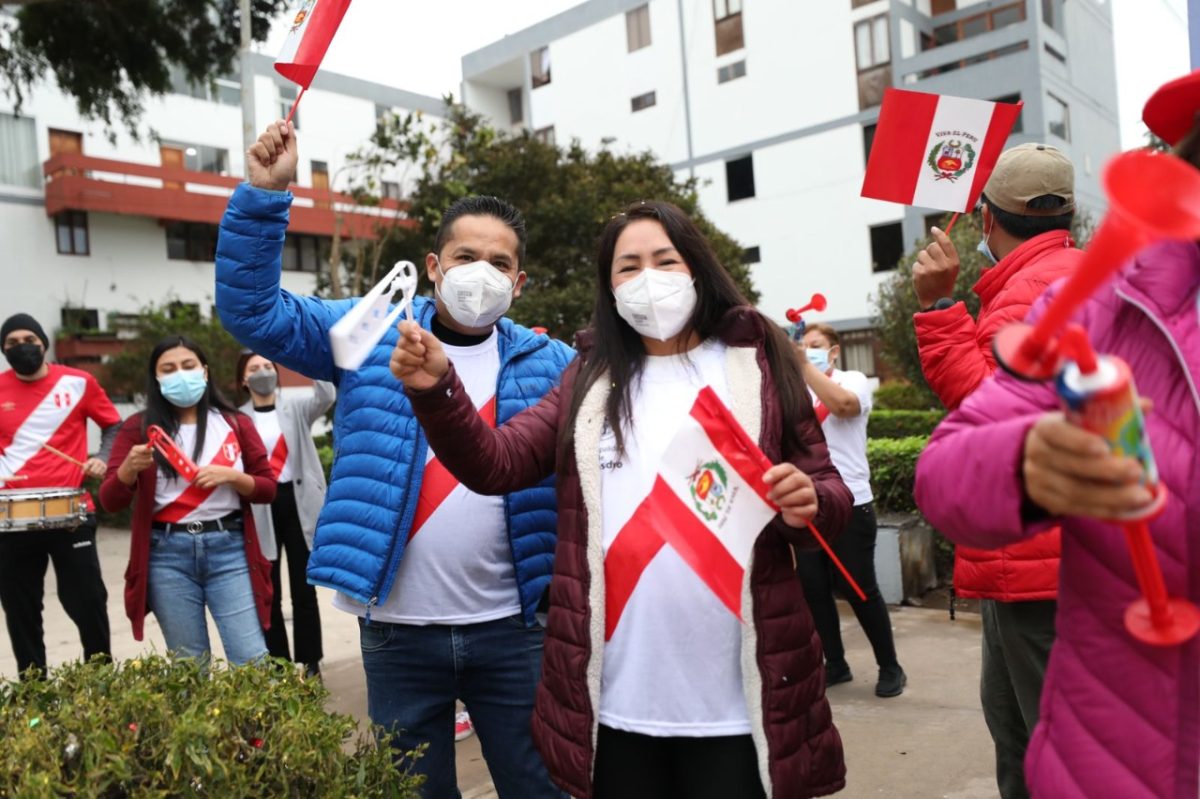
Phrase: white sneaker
(463, 728)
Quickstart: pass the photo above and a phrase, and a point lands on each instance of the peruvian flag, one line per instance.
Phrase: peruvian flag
(709, 503)
(936, 151)
(313, 26)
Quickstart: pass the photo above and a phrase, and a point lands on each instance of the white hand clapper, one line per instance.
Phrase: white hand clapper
(354, 335)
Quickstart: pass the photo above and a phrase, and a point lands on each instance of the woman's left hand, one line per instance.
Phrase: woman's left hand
(793, 491)
(212, 476)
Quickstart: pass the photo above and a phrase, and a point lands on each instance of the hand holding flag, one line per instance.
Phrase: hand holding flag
(271, 161)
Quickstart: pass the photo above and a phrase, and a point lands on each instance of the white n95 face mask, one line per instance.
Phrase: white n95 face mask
(475, 294)
(657, 304)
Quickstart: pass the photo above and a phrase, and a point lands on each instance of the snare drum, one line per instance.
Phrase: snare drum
(42, 508)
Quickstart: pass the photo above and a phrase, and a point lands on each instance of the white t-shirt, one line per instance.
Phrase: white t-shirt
(458, 565)
(847, 438)
(269, 429)
(673, 665)
(224, 499)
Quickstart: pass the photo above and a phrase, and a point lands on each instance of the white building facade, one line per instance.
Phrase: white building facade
(93, 230)
(772, 104)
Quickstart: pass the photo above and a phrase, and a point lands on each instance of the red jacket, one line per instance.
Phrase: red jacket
(956, 356)
(115, 495)
(799, 750)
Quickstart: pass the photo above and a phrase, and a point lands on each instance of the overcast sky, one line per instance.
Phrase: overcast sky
(419, 45)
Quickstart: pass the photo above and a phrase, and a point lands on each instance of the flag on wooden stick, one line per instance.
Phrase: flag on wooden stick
(314, 24)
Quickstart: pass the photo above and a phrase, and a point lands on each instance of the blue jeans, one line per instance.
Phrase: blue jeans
(415, 674)
(188, 572)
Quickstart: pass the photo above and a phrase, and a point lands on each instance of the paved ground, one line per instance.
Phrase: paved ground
(929, 743)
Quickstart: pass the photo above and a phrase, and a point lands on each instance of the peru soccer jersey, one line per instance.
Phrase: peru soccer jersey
(176, 500)
(269, 429)
(53, 410)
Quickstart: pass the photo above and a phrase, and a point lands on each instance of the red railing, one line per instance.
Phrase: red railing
(77, 182)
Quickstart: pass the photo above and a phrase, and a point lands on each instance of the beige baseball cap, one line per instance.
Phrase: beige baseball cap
(1028, 171)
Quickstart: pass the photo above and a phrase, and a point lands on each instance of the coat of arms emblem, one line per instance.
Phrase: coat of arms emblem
(302, 14)
(950, 159)
(708, 485)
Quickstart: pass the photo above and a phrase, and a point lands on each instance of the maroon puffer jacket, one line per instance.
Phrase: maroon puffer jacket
(799, 750)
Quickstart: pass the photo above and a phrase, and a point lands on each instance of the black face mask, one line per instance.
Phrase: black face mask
(25, 359)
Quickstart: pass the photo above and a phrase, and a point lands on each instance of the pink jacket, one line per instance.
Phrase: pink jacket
(1118, 718)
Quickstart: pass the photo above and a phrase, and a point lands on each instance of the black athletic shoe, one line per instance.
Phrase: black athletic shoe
(837, 672)
(892, 680)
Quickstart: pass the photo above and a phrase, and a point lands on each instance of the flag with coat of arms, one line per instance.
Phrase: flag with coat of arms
(709, 502)
(936, 151)
(313, 25)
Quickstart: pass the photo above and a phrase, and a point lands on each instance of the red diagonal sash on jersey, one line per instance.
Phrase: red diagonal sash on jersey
(437, 482)
(821, 410)
(279, 456)
(191, 498)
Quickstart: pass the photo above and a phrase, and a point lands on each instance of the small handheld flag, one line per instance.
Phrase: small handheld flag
(354, 335)
(936, 151)
(313, 26)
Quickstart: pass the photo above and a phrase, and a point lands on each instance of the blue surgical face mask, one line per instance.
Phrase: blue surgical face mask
(985, 250)
(818, 358)
(183, 389)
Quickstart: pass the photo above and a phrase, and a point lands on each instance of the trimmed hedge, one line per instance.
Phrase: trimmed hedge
(902, 424)
(155, 727)
(896, 395)
(893, 470)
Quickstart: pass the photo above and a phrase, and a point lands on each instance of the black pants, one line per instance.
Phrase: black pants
(632, 766)
(306, 616)
(1017, 637)
(856, 549)
(23, 559)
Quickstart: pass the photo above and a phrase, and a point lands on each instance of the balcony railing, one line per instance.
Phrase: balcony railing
(77, 182)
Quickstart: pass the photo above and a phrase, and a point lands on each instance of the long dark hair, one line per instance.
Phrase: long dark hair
(162, 413)
(618, 350)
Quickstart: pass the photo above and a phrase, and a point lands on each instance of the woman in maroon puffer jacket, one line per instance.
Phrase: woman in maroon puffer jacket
(675, 695)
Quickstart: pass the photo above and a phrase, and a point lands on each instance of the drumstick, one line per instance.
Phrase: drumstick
(13, 478)
(64, 456)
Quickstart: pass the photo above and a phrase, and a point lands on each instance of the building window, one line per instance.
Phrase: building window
(637, 27)
(978, 24)
(390, 190)
(191, 241)
(858, 351)
(887, 246)
(18, 152)
(71, 233)
(752, 255)
(871, 43)
(1019, 125)
(942, 7)
(304, 253)
(731, 71)
(1058, 117)
(739, 178)
(539, 65)
(643, 101)
(516, 106)
(860, 3)
(76, 319)
(1048, 15)
(195, 158)
(545, 135)
(868, 135)
(728, 19)
(287, 98)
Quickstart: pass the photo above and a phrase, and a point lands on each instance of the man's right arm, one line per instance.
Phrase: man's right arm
(274, 323)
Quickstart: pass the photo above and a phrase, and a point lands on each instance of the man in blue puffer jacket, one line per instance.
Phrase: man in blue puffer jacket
(445, 582)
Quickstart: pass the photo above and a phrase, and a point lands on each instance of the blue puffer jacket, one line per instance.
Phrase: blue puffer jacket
(380, 448)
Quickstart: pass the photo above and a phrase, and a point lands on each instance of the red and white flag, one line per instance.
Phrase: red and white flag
(709, 503)
(936, 151)
(313, 26)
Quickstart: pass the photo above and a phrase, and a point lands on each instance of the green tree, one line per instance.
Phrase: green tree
(126, 375)
(896, 302)
(567, 195)
(110, 55)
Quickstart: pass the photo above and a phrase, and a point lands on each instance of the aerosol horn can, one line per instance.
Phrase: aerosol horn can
(1101, 397)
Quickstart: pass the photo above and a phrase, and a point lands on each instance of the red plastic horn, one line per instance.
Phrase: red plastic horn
(817, 303)
(1152, 196)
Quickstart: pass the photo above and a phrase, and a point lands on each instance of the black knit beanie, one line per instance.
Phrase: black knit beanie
(23, 321)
